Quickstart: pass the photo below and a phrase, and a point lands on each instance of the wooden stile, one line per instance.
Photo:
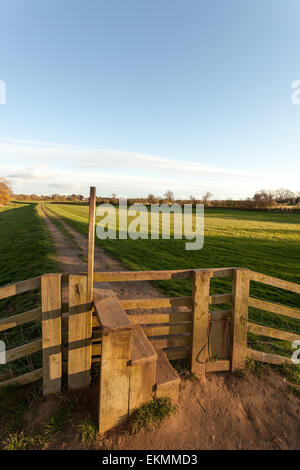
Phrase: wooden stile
(240, 298)
(51, 333)
(115, 356)
(201, 298)
(79, 334)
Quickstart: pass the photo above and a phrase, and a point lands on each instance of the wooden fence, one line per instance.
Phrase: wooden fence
(213, 340)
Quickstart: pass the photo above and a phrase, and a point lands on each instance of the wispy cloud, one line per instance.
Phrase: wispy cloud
(53, 167)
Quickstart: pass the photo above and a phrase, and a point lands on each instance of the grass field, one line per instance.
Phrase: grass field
(26, 251)
(266, 242)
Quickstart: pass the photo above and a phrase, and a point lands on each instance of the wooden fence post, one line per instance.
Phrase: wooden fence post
(51, 333)
(240, 300)
(91, 244)
(79, 334)
(201, 298)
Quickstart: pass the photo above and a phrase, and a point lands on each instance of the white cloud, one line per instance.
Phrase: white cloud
(46, 167)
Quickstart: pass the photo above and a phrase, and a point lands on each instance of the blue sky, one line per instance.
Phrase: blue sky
(140, 96)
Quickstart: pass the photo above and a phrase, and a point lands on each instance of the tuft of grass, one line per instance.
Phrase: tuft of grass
(60, 418)
(289, 371)
(151, 414)
(256, 367)
(294, 390)
(87, 431)
(18, 441)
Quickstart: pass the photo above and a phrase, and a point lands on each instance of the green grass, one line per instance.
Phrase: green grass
(26, 252)
(266, 242)
(150, 415)
(87, 431)
(61, 416)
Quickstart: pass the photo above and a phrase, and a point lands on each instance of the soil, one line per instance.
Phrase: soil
(219, 411)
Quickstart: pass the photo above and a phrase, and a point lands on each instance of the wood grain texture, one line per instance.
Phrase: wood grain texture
(272, 332)
(51, 333)
(79, 334)
(275, 282)
(91, 243)
(268, 358)
(274, 308)
(142, 349)
(24, 350)
(201, 298)
(20, 319)
(20, 287)
(240, 295)
(114, 379)
(171, 302)
(24, 379)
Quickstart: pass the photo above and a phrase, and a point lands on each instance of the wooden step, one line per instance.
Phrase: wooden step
(142, 350)
(142, 370)
(167, 379)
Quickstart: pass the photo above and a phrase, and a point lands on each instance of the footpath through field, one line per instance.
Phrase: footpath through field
(71, 249)
(219, 411)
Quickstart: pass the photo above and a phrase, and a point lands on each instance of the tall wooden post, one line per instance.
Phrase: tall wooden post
(51, 333)
(201, 297)
(240, 301)
(91, 243)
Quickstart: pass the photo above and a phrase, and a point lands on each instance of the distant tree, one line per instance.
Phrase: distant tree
(169, 195)
(192, 199)
(263, 195)
(5, 191)
(151, 198)
(206, 196)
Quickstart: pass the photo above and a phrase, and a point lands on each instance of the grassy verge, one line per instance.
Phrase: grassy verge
(27, 251)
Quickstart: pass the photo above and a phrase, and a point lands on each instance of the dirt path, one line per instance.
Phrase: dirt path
(71, 254)
(220, 411)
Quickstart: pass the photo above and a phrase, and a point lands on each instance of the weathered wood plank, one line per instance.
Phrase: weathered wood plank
(110, 312)
(266, 357)
(272, 332)
(19, 287)
(114, 378)
(274, 308)
(220, 299)
(218, 366)
(240, 296)
(150, 303)
(177, 353)
(20, 319)
(170, 341)
(119, 276)
(219, 338)
(91, 243)
(275, 282)
(24, 379)
(79, 334)
(51, 333)
(149, 318)
(201, 297)
(24, 350)
(163, 330)
(142, 350)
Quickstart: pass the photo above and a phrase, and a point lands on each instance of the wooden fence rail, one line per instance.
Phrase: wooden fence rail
(188, 327)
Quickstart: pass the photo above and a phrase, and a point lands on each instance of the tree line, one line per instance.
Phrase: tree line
(262, 199)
